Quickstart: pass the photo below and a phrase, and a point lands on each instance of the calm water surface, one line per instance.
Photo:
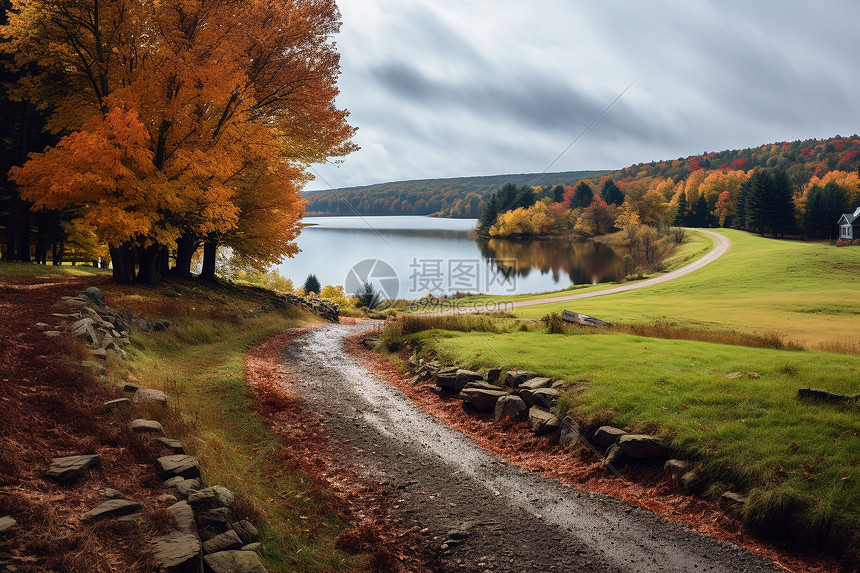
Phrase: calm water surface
(418, 255)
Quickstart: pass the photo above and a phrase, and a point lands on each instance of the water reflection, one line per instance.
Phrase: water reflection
(581, 262)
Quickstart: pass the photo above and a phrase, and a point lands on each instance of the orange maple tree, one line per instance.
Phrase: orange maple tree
(186, 122)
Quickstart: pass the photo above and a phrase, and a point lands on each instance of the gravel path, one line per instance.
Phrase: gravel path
(483, 513)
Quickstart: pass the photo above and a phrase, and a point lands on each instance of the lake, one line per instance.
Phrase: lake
(407, 257)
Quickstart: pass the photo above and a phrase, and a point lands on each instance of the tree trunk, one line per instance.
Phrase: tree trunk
(123, 265)
(210, 249)
(59, 251)
(19, 227)
(164, 261)
(147, 272)
(186, 245)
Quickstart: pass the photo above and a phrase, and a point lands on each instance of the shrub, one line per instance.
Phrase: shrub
(312, 284)
(367, 296)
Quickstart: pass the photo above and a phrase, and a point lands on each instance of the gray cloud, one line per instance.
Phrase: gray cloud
(442, 88)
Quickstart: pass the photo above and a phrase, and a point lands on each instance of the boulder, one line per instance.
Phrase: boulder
(255, 546)
(111, 493)
(516, 377)
(186, 487)
(206, 498)
(151, 427)
(84, 329)
(482, 399)
(560, 384)
(542, 421)
(234, 562)
(614, 456)
(642, 446)
(224, 495)
(70, 468)
(113, 508)
(222, 542)
(732, 502)
(183, 517)
(178, 551)
(535, 383)
(568, 432)
(493, 375)
(118, 405)
(149, 396)
(510, 407)
(605, 436)
(214, 519)
(179, 465)
(246, 531)
(463, 377)
(691, 481)
(94, 295)
(99, 353)
(582, 319)
(172, 444)
(7, 524)
(676, 468)
(446, 378)
(544, 397)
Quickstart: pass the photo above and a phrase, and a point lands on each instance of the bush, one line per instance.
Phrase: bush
(367, 296)
(312, 284)
(554, 324)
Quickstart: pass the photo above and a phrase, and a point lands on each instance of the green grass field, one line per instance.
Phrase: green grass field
(748, 432)
(8, 269)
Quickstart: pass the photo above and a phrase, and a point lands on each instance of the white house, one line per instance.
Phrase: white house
(849, 225)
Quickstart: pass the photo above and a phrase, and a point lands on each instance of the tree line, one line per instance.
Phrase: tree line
(141, 131)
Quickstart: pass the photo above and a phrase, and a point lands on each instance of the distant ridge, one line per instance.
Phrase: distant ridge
(448, 197)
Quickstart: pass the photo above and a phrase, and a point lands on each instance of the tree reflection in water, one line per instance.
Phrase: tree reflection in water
(584, 262)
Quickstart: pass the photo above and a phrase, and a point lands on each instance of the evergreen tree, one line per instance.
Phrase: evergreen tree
(824, 206)
(757, 207)
(582, 196)
(368, 296)
(700, 213)
(558, 194)
(683, 210)
(611, 193)
(312, 285)
(782, 204)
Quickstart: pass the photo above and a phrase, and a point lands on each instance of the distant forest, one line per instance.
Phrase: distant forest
(457, 197)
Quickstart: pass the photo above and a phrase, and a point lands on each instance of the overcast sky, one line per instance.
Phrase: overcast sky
(447, 88)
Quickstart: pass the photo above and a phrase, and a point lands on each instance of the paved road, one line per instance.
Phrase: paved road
(723, 245)
(512, 520)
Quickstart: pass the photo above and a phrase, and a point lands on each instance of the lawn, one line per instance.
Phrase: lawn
(749, 433)
(9, 269)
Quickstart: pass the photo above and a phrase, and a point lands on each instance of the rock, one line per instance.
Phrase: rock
(7, 524)
(113, 508)
(222, 542)
(493, 375)
(516, 377)
(568, 433)
(218, 518)
(676, 468)
(734, 375)
(224, 496)
(131, 520)
(544, 397)
(179, 465)
(42, 326)
(542, 421)
(246, 531)
(461, 378)
(188, 486)
(183, 517)
(99, 368)
(166, 498)
(642, 446)
(111, 493)
(535, 383)
(140, 426)
(234, 562)
(690, 481)
(732, 502)
(94, 295)
(149, 396)
(614, 456)
(482, 399)
(87, 312)
(256, 546)
(172, 444)
(560, 384)
(510, 407)
(605, 436)
(582, 319)
(52, 333)
(70, 468)
(84, 329)
(446, 379)
(204, 499)
(178, 551)
(99, 353)
(118, 405)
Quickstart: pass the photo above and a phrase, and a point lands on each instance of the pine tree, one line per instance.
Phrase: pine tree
(582, 196)
(611, 193)
(312, 285)
(681, 219)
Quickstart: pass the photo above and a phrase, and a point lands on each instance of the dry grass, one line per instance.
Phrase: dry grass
(665, 330)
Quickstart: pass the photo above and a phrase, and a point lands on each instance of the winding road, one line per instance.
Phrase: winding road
(496, 516)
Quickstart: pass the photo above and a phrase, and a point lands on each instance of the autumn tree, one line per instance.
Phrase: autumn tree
(183, 119)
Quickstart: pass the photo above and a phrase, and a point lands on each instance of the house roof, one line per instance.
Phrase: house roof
(851, 218)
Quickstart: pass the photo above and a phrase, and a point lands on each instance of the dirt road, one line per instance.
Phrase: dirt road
(484, 514)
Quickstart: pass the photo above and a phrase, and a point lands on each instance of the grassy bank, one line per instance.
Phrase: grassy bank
(732, 410)
(200, 361)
